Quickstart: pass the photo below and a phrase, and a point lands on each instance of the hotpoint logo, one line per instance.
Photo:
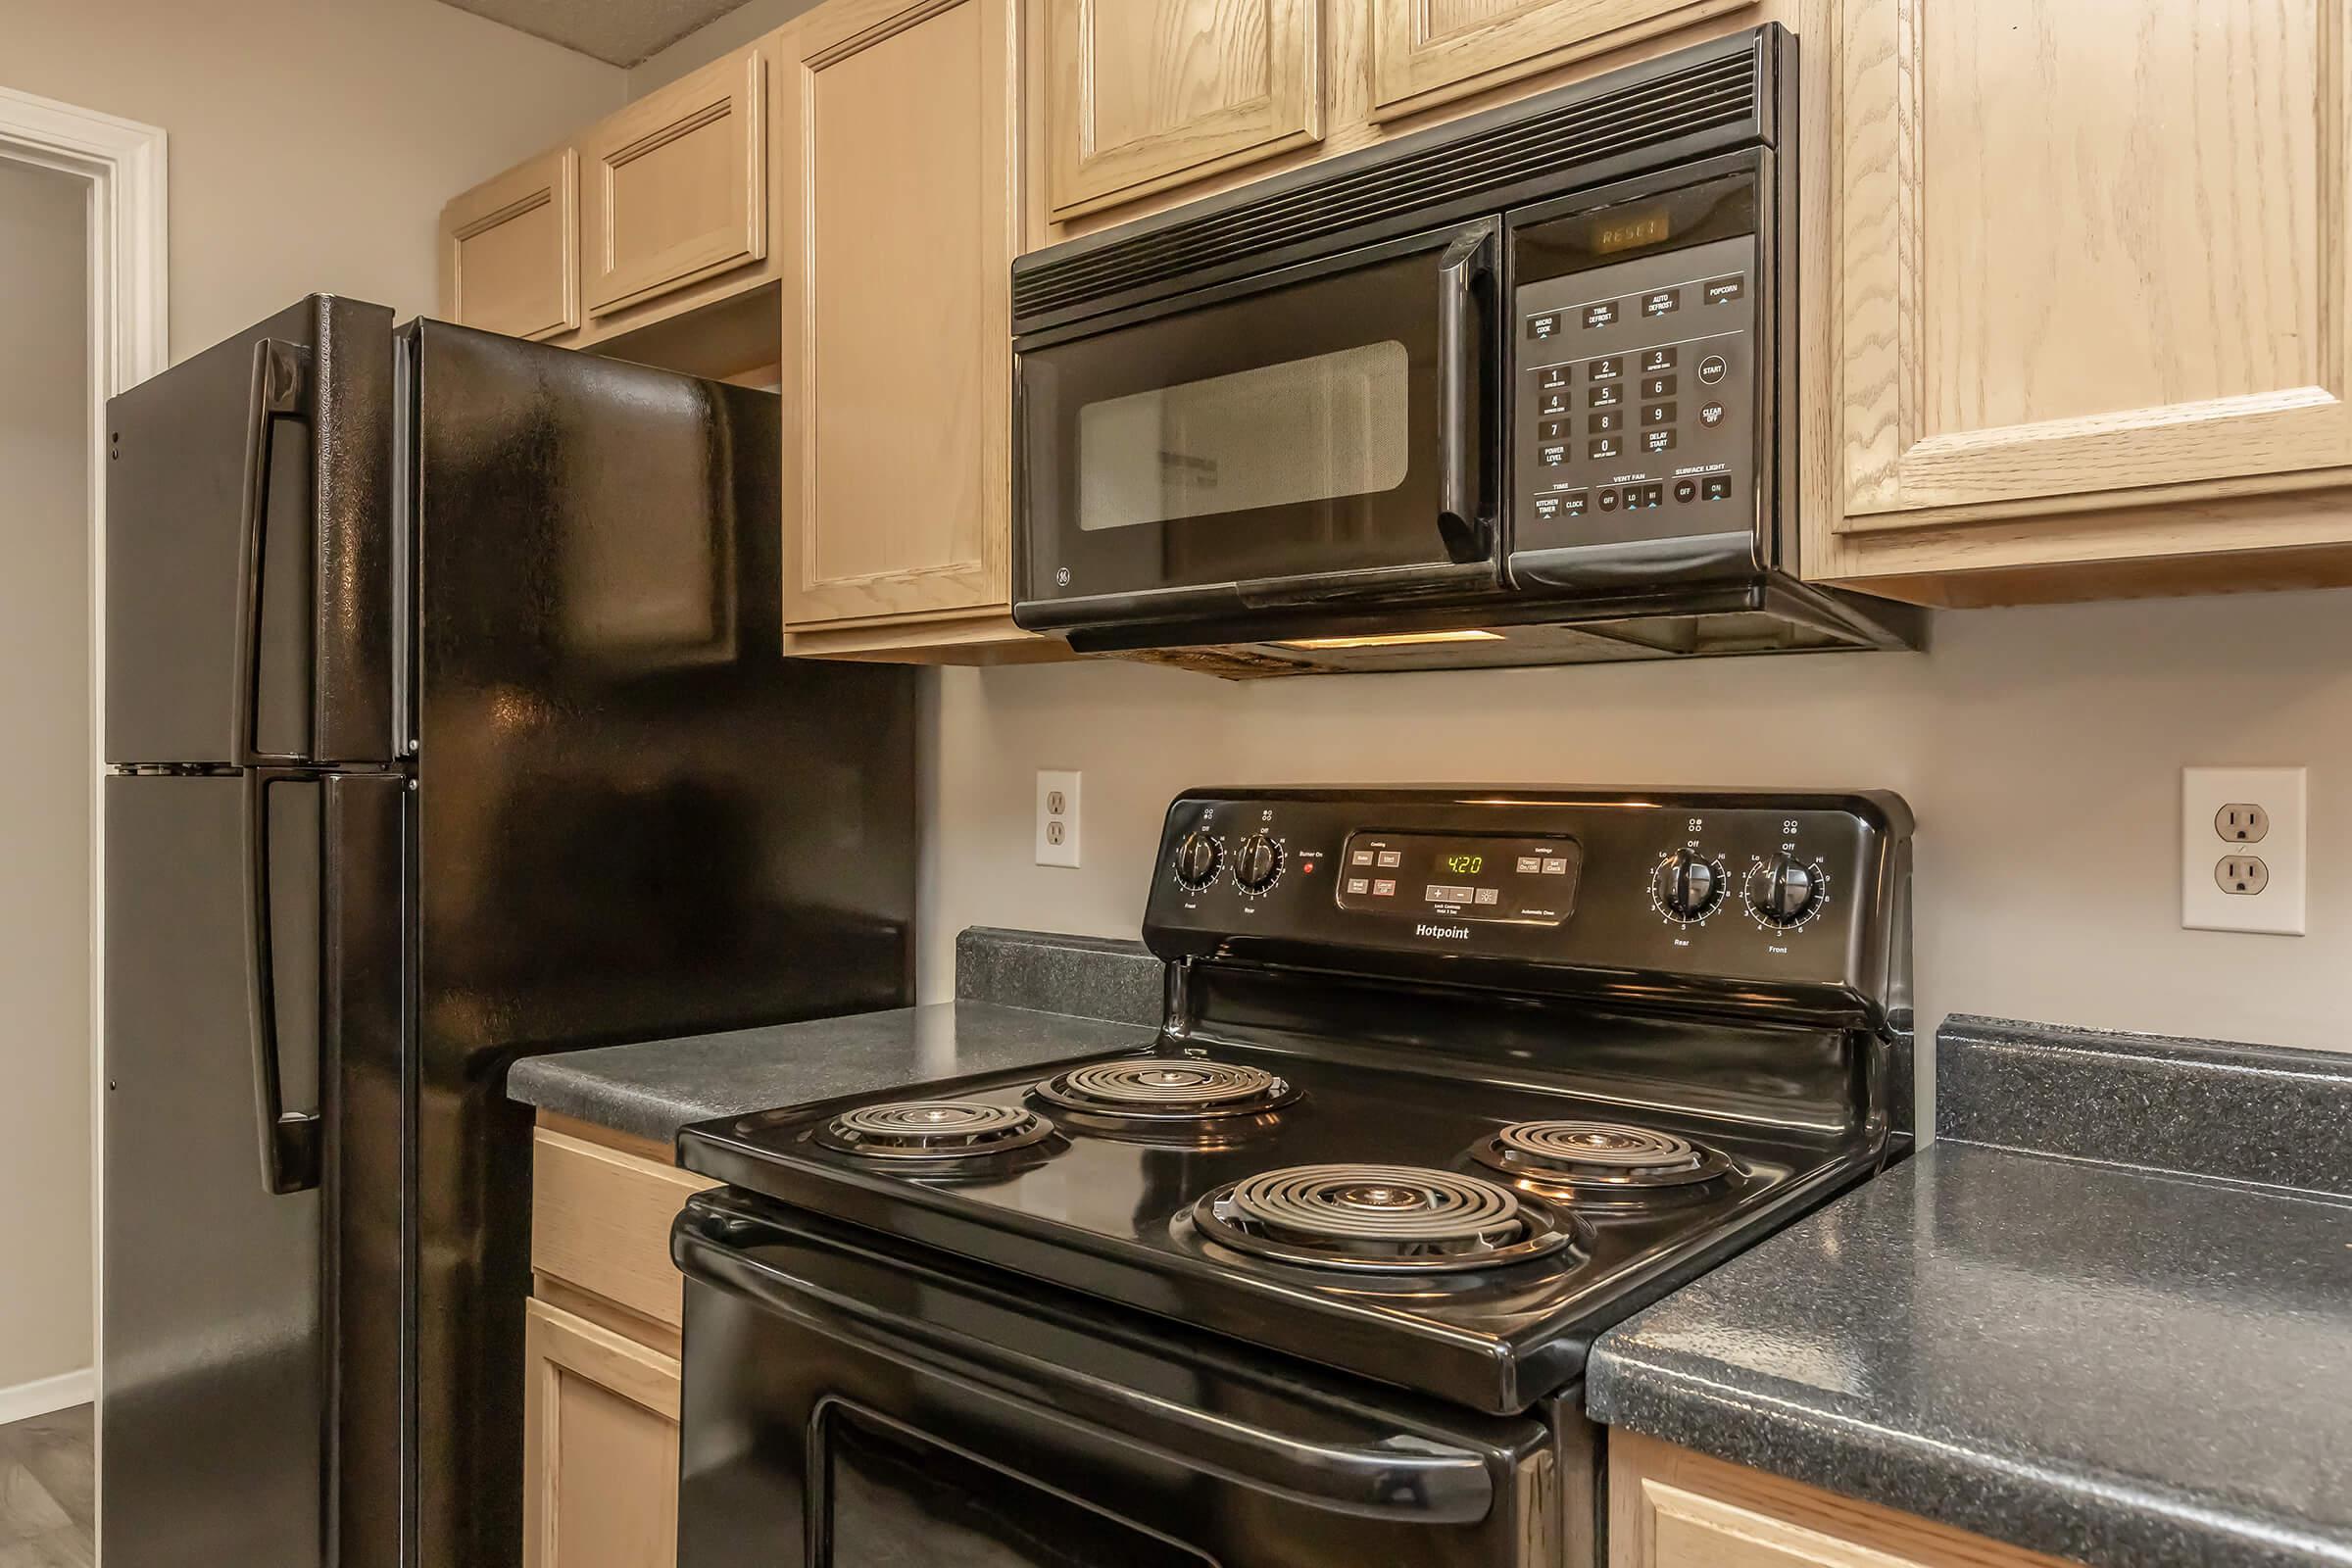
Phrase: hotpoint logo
(1457, 933)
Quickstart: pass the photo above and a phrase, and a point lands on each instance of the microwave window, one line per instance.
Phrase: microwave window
(1300, 431)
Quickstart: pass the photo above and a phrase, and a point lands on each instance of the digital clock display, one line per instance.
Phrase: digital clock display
(1453, 877)
(1625, 231)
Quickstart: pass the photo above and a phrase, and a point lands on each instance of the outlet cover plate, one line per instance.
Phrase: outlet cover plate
(1056, 817)
(2276, 911)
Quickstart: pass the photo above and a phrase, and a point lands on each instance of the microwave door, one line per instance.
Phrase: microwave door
(1323, 433)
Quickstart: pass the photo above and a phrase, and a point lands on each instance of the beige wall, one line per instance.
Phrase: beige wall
(2042, 748)
(45, 788)
(312, 141)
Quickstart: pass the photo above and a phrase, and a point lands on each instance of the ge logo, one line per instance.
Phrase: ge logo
(1062, 577)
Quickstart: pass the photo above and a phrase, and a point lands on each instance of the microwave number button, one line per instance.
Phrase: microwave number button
(1551, 429)
(1607, 367)
(1551, 377)
(1554, 405)
(1605, 446)
(1657, 386)
(1605, 396)
(1605, 421)
(1658, 414)
(1657, 360)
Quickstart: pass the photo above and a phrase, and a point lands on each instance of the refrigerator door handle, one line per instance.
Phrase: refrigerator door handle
(280, 390)
(290, 1139)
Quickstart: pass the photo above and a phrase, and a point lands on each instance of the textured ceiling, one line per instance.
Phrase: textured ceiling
(619, 32)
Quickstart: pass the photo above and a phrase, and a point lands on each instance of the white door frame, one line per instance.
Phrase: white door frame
(129, 234)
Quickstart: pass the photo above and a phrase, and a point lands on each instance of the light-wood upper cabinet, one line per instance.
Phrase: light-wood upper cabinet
(1425, 52)
(1145, 95)
(509, 251)
(674, 187)
(2086, 256)
(899, 231)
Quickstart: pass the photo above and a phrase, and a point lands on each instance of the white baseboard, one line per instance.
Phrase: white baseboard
(45, 1394)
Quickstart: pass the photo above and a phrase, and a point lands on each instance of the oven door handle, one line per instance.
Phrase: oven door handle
(1468, 533)
(1402, 1477)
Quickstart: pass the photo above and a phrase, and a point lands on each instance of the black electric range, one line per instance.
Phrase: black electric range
(1449, 1081)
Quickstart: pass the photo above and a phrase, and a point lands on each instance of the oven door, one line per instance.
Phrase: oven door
(1326, 432)
(847, 1407)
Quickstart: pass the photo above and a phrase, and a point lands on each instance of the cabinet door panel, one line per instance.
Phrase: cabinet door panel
(601, 1448)
(1427, 51)
(676, 184)
(2087, 249)
(509, 251)
(898, 358)
(1143, 94)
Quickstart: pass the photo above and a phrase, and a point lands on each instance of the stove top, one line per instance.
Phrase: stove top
(1448, 1170)
(1364, 1223)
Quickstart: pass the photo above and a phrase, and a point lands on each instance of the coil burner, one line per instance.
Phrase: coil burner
(1603, 1161)
(1168, 1088)
(933, 1129)
(1381, 1218)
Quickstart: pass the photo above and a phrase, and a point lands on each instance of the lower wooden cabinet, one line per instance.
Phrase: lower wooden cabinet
(601, 1353)
(600, 1447)
(1672, 1508)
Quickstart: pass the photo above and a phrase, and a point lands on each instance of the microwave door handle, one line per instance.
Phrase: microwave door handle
(1468, 536)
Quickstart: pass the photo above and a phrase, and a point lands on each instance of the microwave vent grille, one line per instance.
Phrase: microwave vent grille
(1574, 137)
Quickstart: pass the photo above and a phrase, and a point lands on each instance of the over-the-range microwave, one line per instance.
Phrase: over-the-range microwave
(1518, 389)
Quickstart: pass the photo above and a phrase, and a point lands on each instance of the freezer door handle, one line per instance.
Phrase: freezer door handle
(290, 1139)
(280, 390)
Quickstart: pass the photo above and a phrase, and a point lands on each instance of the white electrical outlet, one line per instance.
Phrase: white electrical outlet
(2241, 850)
(1056, 818)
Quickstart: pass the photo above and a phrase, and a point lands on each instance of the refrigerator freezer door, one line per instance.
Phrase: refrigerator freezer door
(214, 650)
(635, 818)
(214, 1384)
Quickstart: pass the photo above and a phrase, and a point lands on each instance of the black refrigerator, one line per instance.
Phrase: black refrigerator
(447, 722)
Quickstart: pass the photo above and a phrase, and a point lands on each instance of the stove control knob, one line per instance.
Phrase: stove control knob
(1257, 862)
(1785, 891)
(1687, 886)
(1198, 858)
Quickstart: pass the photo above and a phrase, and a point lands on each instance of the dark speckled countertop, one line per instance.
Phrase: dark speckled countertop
(2123, 1364)
(1021, 998)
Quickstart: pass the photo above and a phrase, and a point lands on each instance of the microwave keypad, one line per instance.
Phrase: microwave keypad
(1636, 400)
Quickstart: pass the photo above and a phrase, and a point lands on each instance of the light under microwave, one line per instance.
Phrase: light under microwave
(1516, 389)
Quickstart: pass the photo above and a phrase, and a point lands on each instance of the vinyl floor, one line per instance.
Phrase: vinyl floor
(48, 1474)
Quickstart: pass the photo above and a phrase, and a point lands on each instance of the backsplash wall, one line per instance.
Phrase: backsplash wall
(2042, 748)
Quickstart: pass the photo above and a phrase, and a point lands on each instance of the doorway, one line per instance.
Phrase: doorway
(82, 239)
(45, 844)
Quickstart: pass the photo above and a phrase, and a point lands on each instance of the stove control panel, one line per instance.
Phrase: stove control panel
(1740, 888)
